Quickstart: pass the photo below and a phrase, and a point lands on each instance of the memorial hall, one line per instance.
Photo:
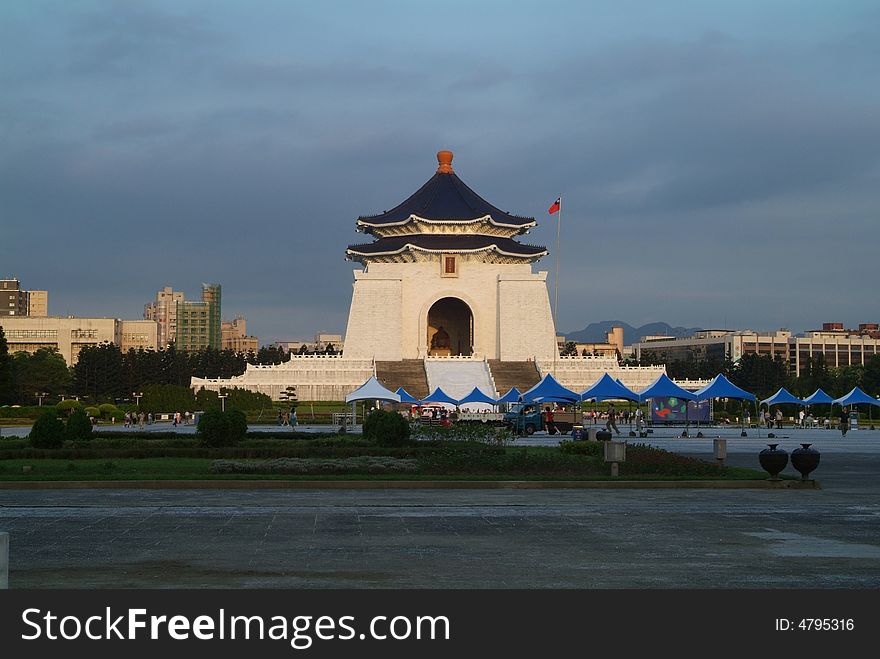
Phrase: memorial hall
(447, 296)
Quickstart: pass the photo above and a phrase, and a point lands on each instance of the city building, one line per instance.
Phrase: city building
(234, 336)
(70, 335)
(14, 301)
(164, 312)
(38, 304)
(446, 297)
(138, 335)
(198, 323)
(612, 347)
(836, 345)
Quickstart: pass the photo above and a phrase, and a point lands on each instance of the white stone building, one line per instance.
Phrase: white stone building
(445, 278)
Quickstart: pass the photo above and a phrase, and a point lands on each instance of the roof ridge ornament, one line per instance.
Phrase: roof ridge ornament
(444, 161)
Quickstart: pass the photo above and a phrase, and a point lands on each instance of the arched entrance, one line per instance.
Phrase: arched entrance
(450, 328)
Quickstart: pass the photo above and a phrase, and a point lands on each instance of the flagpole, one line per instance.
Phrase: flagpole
(556, 287)
(556, 281)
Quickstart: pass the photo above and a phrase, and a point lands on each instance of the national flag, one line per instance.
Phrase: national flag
(554, 208)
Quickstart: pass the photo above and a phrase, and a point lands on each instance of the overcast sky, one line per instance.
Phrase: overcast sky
(719, 163)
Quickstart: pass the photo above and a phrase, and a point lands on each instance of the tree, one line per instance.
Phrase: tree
(99, 372)
(167, 398)
(272, 355)
(871, 376)
(7, 392)
(43, 371)
(569, 349)
(760, 374)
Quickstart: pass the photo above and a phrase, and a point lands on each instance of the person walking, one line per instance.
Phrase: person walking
(640, 421)
(801, 416)
(612, 419)
(779, 419)
(844, 421)
(293, 417)
(548, 421)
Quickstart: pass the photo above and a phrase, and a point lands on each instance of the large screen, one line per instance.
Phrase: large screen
(673, 410)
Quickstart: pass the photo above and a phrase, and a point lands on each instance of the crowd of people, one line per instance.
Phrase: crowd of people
(132, 419)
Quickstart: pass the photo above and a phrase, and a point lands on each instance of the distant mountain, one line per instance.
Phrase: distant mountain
(595, 332)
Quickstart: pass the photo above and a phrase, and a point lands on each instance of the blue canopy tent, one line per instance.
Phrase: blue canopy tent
(511, 396)
(405, 396)
(548, 390)
(856, 397)
(721, 387)
(859, 397)
(477, 396)
(372, 389)
(781, 397)
(607, 388)
(439, 396)
(819, 397)
(663, 387)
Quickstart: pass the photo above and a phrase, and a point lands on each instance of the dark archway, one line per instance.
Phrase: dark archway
(450, 328)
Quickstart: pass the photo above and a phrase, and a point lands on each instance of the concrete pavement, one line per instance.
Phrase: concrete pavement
(827, 538)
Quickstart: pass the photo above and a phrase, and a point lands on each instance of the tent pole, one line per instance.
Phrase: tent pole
(757, 417)
(742, 418)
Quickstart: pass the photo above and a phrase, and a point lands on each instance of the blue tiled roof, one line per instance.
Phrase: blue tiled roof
(445, 197)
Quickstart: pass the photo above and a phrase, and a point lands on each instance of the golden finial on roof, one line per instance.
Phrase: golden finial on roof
(444, 158)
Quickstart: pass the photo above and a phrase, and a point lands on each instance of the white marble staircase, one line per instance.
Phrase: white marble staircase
(458, 376)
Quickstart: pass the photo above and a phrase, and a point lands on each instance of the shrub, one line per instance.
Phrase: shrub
(464, 432)
(386, 428)
(92, 412)
(67, 406)
(237, 425)
(570, 447)
(48, 432)
(79, 426)
(645, 459)
(108, 411)
(222, 428)
(354, 465)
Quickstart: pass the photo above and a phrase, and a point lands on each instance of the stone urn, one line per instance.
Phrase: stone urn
(773, 460)
(805, 459)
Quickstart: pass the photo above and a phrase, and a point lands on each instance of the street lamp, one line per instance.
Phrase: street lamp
(222, 398)
(137, 398)
(40, 397)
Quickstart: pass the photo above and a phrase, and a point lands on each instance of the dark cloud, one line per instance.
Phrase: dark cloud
(711, 174)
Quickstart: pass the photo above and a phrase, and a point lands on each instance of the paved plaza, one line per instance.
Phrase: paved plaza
(827, 538)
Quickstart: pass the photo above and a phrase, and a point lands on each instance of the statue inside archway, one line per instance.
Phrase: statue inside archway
(440, 339)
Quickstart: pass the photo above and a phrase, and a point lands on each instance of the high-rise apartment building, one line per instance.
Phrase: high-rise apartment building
(13, 300)
(17, 302)
(164, 312)
(198, 323)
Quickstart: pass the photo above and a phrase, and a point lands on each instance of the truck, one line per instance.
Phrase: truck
(527, 419)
